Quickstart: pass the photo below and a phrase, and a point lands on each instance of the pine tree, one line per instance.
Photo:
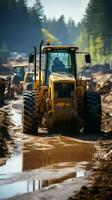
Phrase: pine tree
(99, 26)
(35, 34)
(71, 29)
(20, 27)
(62, 30)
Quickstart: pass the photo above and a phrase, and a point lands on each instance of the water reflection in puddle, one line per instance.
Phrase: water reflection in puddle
(65, 153)
(16, 117)
(13, 189)
(22, 187)
(32, 155)
(57, 152)
(13, 165)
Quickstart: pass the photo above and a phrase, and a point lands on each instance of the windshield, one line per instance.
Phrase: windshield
(59, 62)
(19, 71)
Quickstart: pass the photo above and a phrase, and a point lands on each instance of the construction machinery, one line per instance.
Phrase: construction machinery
(28, 82)
(22, 79)
(60, 97)
(18, 77)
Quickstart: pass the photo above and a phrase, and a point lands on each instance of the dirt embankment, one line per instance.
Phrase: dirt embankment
(100, 187)
(103, 77)
(107, 112)
(4, 135)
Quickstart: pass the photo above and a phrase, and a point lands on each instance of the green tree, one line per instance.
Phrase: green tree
(20, 26)
(35, 34)
(98, 24)
(58, 28)
(71, 29)
(62, 30)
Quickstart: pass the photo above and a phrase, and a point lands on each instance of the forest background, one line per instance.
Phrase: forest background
(22, 27)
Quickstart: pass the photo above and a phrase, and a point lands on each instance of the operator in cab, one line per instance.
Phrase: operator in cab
(58, 65)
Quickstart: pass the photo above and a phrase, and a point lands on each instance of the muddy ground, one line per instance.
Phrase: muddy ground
(64, 168)
(99, 186)
(4, 135)
(100, 180)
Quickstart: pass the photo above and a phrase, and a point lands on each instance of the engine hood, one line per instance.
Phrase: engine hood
(62, 76)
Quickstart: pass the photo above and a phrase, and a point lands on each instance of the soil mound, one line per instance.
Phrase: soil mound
(100, 186)
(103, 77)
(101, 181)
(4, 135)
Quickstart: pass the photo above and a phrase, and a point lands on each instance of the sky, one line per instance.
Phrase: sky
(69, 8)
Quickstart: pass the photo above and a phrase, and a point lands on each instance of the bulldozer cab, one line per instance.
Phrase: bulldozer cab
(59, 59)
(55, 59)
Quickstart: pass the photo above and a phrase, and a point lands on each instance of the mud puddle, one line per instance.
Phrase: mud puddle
(38, 162)
(27, 186)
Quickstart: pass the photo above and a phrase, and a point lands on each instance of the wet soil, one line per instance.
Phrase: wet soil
(99, 186)
(107, 112)
(4, 135)
(100, 183)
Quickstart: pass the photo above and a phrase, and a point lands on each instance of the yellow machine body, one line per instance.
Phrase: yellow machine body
(59, 100)
(58, 93)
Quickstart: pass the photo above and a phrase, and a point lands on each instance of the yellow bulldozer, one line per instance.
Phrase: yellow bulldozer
(60, 97)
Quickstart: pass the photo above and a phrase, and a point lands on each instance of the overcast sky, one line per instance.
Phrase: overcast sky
(69, 8)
